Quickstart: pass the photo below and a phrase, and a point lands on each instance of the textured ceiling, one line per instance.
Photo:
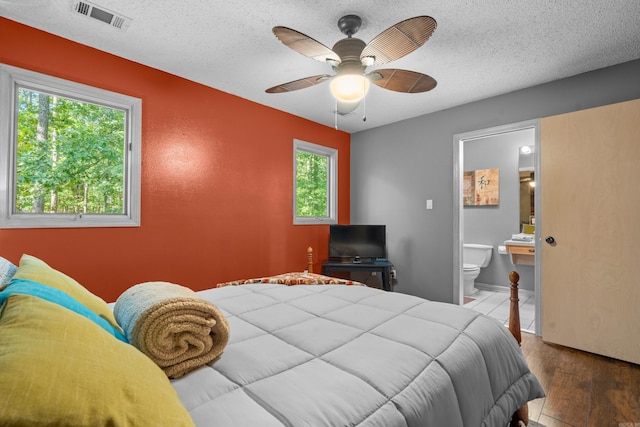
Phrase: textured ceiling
(479, 49)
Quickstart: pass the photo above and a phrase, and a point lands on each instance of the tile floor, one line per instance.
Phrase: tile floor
(496, 304)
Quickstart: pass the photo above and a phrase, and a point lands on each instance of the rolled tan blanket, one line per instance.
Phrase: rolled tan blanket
(171, 325)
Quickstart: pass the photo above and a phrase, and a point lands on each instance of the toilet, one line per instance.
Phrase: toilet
(474, 257)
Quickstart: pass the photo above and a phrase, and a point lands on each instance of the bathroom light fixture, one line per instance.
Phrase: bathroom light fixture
(526, 149)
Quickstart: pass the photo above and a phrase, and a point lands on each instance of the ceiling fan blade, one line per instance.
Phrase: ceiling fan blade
(399, 40)
(305, 45)
(402, 80)
(299, 84)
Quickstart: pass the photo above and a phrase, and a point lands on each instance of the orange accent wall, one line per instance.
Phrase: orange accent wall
(217, 180)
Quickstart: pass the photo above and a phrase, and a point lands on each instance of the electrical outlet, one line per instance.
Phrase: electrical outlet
(393, 274)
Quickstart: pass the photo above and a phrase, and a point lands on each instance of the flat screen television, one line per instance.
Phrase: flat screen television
(364, 243)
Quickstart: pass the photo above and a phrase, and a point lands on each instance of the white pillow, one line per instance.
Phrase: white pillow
(7, 270)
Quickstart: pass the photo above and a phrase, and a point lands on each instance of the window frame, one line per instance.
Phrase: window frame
(332, 182)
(10, 79)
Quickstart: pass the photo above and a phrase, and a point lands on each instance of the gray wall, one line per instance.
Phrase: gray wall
(396, 168)
(492, 225)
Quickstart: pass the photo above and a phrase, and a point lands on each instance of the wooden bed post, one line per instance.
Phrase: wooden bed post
(521, 414)
(514, 310)
(310, 259)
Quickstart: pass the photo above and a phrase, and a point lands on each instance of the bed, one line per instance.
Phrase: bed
(302, 355)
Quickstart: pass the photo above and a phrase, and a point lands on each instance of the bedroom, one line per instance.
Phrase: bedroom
(201, 221)
(193, 208)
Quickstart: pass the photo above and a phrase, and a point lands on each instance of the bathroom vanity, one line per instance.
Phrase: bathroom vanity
(522, 249)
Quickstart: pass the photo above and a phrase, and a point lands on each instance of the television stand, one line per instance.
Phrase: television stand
(383, 266)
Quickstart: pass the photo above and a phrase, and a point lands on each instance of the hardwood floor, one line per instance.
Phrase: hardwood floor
(583, 389)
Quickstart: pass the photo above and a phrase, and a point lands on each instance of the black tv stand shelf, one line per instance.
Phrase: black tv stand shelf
(383, 266)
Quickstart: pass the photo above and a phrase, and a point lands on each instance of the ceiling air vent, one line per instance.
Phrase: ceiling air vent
(101, 14)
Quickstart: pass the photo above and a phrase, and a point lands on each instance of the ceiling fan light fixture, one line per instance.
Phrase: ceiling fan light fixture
(350, 57)
(349, 87)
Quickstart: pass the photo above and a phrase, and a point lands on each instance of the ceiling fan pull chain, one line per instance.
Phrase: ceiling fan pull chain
(335, 114)
(364, 104)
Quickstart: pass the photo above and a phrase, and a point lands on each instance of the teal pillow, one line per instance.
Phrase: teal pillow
(34, 269)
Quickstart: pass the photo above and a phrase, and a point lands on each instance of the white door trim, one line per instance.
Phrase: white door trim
(458, 217)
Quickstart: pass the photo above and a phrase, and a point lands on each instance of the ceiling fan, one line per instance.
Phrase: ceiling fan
(350, 57)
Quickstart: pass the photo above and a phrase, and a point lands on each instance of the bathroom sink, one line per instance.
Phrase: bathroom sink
(521, 239)
(521, 247)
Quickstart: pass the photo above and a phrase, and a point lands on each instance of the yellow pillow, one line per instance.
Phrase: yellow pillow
(59, 368)
(31, 268)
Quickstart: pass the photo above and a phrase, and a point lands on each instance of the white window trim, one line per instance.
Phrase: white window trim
(10, 78)
(332, 184)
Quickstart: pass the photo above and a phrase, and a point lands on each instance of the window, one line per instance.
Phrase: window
(315, 181)
(70, 153)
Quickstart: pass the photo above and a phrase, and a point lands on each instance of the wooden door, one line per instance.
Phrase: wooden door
(590, 205)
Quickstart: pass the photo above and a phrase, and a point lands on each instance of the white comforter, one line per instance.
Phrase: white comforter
(325, 355)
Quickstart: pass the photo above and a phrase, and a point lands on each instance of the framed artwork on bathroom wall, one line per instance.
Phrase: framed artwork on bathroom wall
(481, 187)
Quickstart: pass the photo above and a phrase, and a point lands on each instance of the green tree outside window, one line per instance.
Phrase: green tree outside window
(311, 189)
(69, 156)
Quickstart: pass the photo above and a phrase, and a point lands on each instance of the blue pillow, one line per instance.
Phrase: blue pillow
(47, 293)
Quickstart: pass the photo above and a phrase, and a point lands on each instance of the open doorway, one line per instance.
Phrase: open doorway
(495, 148)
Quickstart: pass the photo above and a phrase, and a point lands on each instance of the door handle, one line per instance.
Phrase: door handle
(550, 240)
